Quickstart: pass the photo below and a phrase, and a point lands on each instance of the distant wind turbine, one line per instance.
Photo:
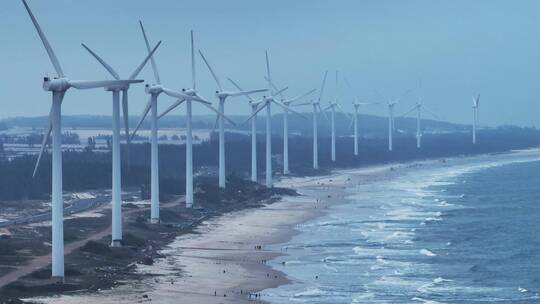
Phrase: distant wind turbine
(116, 162)
(476, 102)
(58, 86)
(191, 95)
(357, 104)
(391, 104)
(254, 105)
(266, 102)
(154, 90)
(288, 103)
(419, 106)
(222, 96)
(333, 105)
(316, 104)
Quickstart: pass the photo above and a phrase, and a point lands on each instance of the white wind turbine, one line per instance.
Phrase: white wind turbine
(476, 101)
(254, 104)
(288, 103)
(116, 162)
(419, 106)
(191, 95)
(357, 104)
(266, 102)
(333, 105)
(316, 104)
(222, 96)
(391, 104)
(58, 86)
(154, 90)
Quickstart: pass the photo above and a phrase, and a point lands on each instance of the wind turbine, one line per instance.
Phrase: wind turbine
(222, 96)
(116, 162)
(191, 95)
(316, 104)
(391, 104)
(357, 104)
(58, 86)
(333, 105)
(288, 103)
(266, 102)
(418, 107)
(154, 90)
(476, 101)
(254, 105)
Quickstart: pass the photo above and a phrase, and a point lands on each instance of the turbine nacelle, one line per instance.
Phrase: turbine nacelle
(154, 89)
(190, 92)
(55, 84)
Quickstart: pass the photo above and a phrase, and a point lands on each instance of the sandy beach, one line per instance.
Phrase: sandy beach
(225, 259)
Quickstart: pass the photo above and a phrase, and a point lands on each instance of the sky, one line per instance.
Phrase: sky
(445, 51)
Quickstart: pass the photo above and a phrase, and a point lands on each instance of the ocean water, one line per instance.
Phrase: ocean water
(467, 232)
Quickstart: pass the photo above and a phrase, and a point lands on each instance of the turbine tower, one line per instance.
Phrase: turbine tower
(316, 104)
(58, 86)
(222, 96)
(191, 95)
(391, 105)
(154, 90)
(476, 101)
(116, 162)
(333, 105)
(288, 103)
(253, 104)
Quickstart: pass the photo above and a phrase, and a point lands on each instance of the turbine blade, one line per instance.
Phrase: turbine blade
(211, 71)
(239, 88)
(323, 112)
(288, 109)
(92, 84)
(145, 61)
(281, 91)
(175, 94)
(201, 99)
(172, 107)
(342, 111)
(46, 44)
(239, 93)
(268, 73)
(262, 106)
(302, 104)
(219, 113)
(152, 60)
(409, 111)
(143, 116)
(193, 62)
(43, 144)
(215, 123)
(274, 88)
(301, 96)
(431, 112)
(103, 63)
(322, 86)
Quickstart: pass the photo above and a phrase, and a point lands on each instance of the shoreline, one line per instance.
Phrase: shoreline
(212, 258)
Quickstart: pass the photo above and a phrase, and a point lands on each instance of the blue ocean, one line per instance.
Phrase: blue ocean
(467, 231)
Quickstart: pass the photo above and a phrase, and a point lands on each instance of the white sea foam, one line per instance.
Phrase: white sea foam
(426, 252)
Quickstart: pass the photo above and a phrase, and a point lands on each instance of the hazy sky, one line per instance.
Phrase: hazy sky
(456, 47)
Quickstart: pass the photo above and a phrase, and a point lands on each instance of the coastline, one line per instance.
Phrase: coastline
(220, 255)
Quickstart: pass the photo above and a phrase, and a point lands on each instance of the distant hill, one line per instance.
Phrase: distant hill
(369, 125)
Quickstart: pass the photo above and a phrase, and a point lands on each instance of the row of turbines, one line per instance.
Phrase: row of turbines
(119, 86)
